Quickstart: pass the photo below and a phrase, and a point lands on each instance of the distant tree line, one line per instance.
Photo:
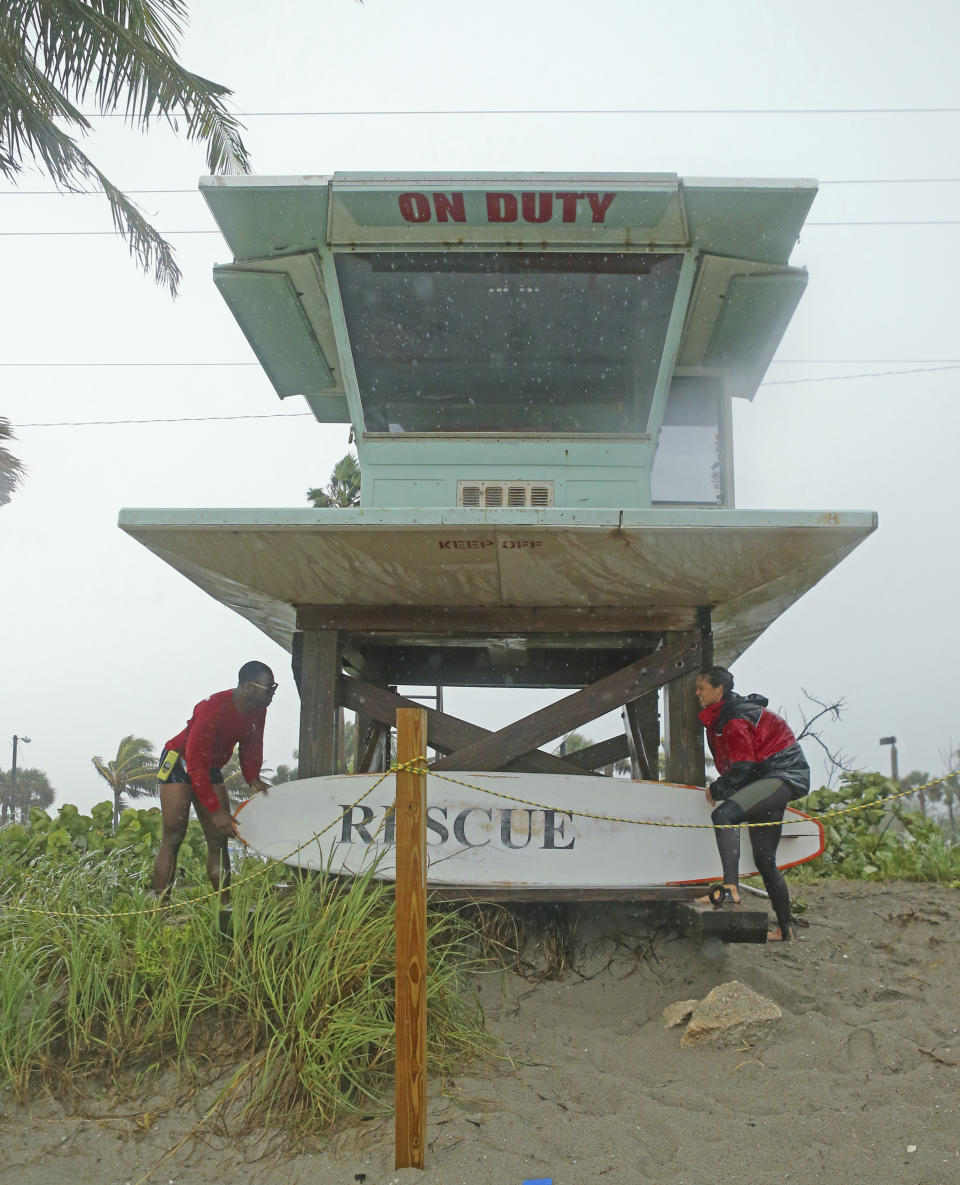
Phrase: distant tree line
(940, 802)
(33, 789)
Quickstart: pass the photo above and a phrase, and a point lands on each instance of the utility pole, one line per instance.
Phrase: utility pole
(894, 771)
(10, 801)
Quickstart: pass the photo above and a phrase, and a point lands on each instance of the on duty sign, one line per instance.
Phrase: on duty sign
(531, 206)
(538, 207)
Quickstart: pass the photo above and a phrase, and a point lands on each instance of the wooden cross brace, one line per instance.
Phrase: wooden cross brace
(467, 746)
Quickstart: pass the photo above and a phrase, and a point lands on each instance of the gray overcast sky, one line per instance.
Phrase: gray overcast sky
(100, 639)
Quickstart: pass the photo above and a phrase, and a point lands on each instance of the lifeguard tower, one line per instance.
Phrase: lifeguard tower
(539, 371)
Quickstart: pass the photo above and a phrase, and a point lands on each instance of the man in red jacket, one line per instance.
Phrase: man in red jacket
(190, 771)
(761, 769)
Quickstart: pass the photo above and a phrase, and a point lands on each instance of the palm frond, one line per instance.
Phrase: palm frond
(81, 42)
(12, 469)
(29, 104)
(104, 769)
(147, 245)
(124, 56)
(56, 53)
(25, 130)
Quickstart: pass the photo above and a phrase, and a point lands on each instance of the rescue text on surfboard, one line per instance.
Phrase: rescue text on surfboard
(472, 827)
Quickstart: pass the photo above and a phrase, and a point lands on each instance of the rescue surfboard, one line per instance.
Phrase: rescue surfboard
(505, 830)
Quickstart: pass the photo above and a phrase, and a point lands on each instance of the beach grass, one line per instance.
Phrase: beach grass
(295, 1007)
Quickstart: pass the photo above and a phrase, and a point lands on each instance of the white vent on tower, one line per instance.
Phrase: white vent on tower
(505, 493)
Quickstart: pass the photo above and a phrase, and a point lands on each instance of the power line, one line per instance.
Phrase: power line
(167, 420)
(832, 181)
(25, 365)
(88, 192)
(301, 414)
(891, 222)
(195, 191)
(840, 378)
(924, 363)
(573, 111)
(172, 234)
(46, 234)
(850, 361)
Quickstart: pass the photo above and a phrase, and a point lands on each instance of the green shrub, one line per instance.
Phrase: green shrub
(72, 839)
(98, 978)
(877, 841)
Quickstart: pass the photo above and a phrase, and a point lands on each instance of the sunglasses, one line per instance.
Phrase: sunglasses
(266, 686)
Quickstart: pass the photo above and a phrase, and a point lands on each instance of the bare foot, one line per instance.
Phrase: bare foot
(776, 935)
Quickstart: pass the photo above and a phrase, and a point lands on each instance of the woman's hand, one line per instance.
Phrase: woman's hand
(710, 801)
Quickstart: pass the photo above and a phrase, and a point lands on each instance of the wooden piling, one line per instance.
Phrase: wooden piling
(410, 1080)
(319, 661)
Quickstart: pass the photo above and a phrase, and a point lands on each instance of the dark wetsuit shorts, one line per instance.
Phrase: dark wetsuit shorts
(179, 773)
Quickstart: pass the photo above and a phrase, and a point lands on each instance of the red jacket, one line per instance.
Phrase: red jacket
(748, 742)
(208, 740)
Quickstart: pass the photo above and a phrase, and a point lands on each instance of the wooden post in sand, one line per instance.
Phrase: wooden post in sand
(410, 1080)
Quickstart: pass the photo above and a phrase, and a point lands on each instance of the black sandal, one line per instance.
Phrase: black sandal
(721, 895)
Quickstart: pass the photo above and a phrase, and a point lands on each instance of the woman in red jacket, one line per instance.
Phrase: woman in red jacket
(761, 769)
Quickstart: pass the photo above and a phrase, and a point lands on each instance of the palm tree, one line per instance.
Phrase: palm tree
(11, 469)
(572, 742)
(951, 786)
(235, 782)
(913, 781)
(951, 794)
(133, 772)
(286, 773)
(343, 488)
(55, 57)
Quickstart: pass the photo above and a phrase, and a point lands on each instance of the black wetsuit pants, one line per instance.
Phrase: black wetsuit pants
(763, 801)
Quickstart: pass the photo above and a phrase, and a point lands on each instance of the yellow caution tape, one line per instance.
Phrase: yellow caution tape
(863, 806)
(418, 766)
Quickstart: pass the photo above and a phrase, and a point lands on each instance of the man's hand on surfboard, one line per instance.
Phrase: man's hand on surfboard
(224, 821)
(259, 786)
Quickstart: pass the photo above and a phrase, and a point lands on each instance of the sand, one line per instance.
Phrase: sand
(858, 1081)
